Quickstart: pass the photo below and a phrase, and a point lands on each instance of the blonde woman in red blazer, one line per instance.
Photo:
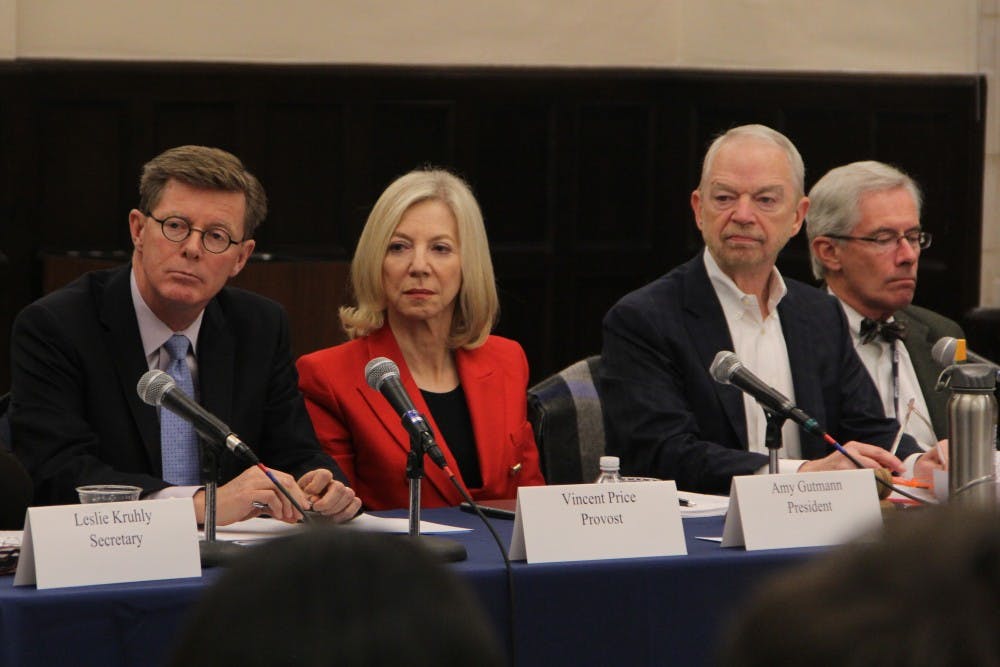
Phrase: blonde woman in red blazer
(426, 298)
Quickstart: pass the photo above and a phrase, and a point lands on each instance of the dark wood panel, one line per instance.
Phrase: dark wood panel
(408, 135)
(304, 179)
(80, 172)
(509, 143)
(207, 124)
(584, 176)
(613, 206)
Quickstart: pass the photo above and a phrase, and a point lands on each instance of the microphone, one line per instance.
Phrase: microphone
(382, 375)
(159, 389)
(727, 368)
(944, 350)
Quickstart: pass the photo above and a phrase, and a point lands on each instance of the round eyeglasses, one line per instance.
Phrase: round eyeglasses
(215, 240)
(886, 241)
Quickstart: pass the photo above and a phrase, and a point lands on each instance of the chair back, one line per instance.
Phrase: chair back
(565, 412)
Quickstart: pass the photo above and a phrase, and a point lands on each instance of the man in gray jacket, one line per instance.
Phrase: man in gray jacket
(865, 239)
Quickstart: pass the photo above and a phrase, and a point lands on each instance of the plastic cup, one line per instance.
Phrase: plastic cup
(108, 493)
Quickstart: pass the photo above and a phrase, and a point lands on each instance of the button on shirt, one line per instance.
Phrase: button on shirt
(759, 342)
(877, 359)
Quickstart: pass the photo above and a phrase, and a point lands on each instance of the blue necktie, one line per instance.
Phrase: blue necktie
(178, 441)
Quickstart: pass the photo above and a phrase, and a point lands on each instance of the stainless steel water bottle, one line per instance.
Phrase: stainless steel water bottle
(972, 431)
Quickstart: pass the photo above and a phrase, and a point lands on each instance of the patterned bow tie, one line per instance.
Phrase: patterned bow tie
(887, 331)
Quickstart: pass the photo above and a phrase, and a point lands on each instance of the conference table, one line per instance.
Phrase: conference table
(642, 611)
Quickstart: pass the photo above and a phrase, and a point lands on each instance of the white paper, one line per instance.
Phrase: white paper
(11, 538)
(263, 529)
(702, 504)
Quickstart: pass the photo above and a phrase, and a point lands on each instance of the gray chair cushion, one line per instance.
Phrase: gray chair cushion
(565, 412)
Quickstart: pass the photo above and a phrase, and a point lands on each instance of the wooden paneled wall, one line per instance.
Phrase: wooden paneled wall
(584, 176)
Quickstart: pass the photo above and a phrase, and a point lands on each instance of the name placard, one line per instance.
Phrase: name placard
(801, 510)
(104, 543)
(597, 521)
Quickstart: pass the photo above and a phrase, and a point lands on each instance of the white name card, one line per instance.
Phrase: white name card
(801, 510)
(104, 543)
(597, 521)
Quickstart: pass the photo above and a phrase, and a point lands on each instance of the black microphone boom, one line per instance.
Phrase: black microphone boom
(382, 375)
(727, 368)
(159, 389)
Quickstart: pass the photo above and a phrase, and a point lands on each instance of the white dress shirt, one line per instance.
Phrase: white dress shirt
(759, 342)
(877, 358)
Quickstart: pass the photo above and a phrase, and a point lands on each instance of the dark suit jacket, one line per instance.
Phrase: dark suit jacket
(15, 491)
(358, 427)
(664, 414)
(924, 328)
(76, 418)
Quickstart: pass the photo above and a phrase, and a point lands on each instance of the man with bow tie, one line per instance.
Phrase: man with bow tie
(865, 238)
(666, 416)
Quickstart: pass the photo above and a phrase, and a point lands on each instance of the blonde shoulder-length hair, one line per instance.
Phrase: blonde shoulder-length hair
(477, 305)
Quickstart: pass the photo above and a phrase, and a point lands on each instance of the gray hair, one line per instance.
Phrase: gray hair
(835, 200)
(761, 133)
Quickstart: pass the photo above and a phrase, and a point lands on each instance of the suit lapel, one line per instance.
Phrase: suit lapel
(708, 329)
(795, 327)
(483, 384)
(918, 345)
(216, 363)
(124, 348)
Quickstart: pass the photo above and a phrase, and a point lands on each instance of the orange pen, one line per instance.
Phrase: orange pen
(915, 483)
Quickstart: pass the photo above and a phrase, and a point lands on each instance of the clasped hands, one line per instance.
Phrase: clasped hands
(251, 494)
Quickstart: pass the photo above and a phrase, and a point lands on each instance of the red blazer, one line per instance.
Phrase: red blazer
(356, 425)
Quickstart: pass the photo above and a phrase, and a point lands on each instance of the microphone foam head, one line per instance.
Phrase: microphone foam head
(724, 365)
(153, 385)
(943, 351)
(378, 369)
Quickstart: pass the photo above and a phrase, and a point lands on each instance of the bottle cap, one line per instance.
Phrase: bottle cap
(609, 463)
(981, 377)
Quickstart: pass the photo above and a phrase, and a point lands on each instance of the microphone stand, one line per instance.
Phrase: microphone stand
(212, 552)
(415, 473)
(441, 548)
(772, 438)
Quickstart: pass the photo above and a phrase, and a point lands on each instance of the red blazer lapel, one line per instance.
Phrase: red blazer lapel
(483, 384)
(383, 344)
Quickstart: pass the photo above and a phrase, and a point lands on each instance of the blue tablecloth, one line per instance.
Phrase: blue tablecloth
(645, 611)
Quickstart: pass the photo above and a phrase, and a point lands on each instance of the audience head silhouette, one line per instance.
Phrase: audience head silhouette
(330, 597)
(934, 601)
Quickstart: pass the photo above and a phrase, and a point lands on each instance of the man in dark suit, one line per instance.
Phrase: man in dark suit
(77, 354)
(664, 414)
(865, 238)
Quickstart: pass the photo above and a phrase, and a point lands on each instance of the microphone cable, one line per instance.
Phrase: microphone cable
(506, 562)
